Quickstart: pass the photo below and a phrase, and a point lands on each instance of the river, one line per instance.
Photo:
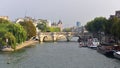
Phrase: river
(56, 55)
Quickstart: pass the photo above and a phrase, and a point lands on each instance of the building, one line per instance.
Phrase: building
(54, 24)
(112, 16)
(4, 17)
(78, 24)
(19, 20)
(59, 24)
(117, 14)
(26, 18)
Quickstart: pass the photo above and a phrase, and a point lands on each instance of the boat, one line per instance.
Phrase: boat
(117, 54)
(81, 42)
(94, 43)
(107, 49)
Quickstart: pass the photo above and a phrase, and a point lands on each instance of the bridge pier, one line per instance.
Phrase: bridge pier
(68, 36)
(40, 35)
(54, 36)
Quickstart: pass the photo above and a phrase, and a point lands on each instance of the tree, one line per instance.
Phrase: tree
(14, 33)
(96, 25)
(18, 31)
(7, 39)
(67, 29)
(30, 28)
(3, 21)
(11, 39)
(110, 26)
(118, 29)
(53, 29)
(89, 26)
(115, 29)
(42, 27)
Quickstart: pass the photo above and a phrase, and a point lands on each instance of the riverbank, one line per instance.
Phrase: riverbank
(20, 46)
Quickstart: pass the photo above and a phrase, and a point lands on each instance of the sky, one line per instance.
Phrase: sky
(68, 11)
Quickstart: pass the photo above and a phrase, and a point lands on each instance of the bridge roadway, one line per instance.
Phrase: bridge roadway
(54, 36)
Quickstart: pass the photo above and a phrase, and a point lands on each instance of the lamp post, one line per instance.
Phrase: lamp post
(7, 41)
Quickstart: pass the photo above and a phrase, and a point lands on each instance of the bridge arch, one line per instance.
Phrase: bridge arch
(54, 36)
(47, 38)
(61, 37)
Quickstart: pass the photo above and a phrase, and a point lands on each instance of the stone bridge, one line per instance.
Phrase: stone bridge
(54, 36)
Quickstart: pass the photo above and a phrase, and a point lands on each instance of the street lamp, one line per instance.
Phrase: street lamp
(7, 41)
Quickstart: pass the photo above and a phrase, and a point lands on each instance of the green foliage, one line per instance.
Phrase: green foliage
(3, 27)
(53, 29)
(111, 27)
(96, 25)
(30, 28)
(15, 33)
(89, 26)
(67, 30)
(2, 39)
(4, 35)
(115, 28)
(42, 27)
(118, 29)
(18, 31)
(3, 21)
(11, 39)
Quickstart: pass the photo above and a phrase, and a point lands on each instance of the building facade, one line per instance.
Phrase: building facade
(4, 17)
(78, 24)
(59, 24)
(117, 14)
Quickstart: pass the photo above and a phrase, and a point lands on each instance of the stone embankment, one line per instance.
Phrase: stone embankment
(20, 46)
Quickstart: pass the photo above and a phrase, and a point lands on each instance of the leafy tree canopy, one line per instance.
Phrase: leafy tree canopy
(96, 25)
(18, 31)
(3, 21)
(42, 27)
(30, 28)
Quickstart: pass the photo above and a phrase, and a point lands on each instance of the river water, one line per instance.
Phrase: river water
(56, 55)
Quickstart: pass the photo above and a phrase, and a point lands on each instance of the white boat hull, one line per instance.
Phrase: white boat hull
(117, 54)
(93, 46)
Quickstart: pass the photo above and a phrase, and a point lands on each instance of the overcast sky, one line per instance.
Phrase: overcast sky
(68, 11)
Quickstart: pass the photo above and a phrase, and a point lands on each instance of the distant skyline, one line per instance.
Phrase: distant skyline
(68, 11)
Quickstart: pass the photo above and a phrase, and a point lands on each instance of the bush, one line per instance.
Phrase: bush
(53, 29)
(7, 39)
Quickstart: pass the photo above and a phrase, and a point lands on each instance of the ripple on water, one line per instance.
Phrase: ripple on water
(57, 55)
